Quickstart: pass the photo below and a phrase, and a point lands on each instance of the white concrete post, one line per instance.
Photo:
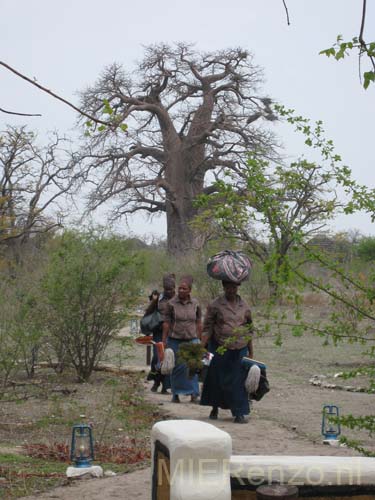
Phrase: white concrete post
(199, 455)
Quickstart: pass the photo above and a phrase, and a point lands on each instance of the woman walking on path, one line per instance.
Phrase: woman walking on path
(228, 325)
(182, 324)
(159, 302)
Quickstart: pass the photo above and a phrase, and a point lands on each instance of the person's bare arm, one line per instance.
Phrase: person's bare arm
(165, 332)
(152, 306)
(250, 346)
(199, 328)
(167, 317)
(207, 327)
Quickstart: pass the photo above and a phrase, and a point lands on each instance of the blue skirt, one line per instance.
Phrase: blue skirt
(224, 385)
(180, 381)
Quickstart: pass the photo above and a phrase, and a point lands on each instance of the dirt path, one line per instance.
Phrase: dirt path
(276, 427)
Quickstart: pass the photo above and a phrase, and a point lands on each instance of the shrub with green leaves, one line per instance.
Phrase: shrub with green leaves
(90, 283)
(366, 249)
(191, 355)
(20, 335)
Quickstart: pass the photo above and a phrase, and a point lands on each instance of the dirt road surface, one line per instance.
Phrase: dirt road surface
(285, 422)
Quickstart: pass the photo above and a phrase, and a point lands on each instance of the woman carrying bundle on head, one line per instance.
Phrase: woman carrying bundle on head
(182, 324)
(228, 326)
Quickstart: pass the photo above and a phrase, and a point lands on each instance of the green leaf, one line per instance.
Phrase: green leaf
(368, 76)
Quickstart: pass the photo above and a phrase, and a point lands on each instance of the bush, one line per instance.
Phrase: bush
(90, 282)
(20, 335)
(366, 249)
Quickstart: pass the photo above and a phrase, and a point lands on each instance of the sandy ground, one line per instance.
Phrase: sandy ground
(277, 426)
(286, 422)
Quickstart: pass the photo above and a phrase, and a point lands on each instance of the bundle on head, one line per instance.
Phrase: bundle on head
(229, 266)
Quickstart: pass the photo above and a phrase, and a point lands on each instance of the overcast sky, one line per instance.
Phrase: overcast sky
(65, 44)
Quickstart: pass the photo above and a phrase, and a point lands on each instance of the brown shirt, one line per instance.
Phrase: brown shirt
(228, 322)
(160, 304)
(163, 307)
(182, 318)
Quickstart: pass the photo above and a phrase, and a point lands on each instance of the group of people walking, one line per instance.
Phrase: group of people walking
(225, 331)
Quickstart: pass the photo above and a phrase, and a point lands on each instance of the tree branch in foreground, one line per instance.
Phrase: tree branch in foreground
(44, 89)
(18, 114)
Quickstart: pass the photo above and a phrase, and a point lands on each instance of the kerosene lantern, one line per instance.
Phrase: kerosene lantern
(82, 449)
(330, 424)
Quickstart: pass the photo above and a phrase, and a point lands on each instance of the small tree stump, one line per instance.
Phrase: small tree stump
(276, 492)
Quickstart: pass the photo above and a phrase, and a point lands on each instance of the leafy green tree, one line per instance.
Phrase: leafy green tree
(349, 293)
(20, 335)
(366, 249)
(357, 44)
(272, 208)
(9, 338)
(89, 286)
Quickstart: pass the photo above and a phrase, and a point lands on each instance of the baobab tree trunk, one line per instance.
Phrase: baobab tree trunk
(182, 238)
(186, 184)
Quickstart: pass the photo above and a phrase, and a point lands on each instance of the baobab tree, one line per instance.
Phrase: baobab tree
(189, 116)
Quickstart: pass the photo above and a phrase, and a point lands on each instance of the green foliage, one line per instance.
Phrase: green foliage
(20, 332)
(25, 475)
(366, 249)
(9, 336)
(90, 283)
(360, 197)
(290, 203)
(191, 354)
(114, 122)
(341, 49)
(277, 206)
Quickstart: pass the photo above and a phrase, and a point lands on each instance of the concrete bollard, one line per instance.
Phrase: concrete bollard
(190, 461)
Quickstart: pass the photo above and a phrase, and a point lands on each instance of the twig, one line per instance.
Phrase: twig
(18, 114)
(44, 89)
(361, 31)
(361, 40)
(287, 13)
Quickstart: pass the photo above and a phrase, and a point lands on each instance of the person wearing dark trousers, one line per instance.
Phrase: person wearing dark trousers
(227, 331)
(160, 301)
